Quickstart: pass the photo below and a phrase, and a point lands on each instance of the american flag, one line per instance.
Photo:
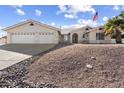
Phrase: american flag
(95, 17)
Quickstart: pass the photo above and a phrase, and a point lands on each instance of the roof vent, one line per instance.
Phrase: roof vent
(87, 29)
(31, 24)
(100, 28)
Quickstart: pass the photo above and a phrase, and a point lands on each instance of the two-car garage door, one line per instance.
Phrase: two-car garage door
(34, 38)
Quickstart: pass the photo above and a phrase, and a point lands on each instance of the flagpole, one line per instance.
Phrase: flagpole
(60, 28)
(95, 18)
(61, 36)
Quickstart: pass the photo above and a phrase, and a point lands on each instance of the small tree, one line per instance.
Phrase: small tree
(115, 26)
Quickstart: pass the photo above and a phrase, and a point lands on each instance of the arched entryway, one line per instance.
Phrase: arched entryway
(75, 38)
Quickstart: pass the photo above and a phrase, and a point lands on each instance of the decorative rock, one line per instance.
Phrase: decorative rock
(93, 58)
(89, 66)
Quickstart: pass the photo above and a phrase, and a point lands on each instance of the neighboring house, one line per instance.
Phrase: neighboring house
(3, 40)
(87, 35)
(32, 32)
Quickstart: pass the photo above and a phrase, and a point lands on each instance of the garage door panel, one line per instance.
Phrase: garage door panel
(23, 39)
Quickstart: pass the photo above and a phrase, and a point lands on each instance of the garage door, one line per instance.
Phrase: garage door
(33, 38)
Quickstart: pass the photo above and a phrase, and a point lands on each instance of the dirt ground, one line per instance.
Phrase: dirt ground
(69, 66)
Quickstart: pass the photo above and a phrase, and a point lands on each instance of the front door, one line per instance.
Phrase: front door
(75, 38)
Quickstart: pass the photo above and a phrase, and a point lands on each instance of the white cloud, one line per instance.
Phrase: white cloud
(72, 26)
(2, 33)
(74, 9)
(113, 16)
(43, 22)
(22, 20)
(87, 22)
(80, 8)
(18, 9)
(20, 12)
(0, 27)
(101, 24)
(53, 24)
(71, 11)
(38, 12)
(115, 7)
(105, 18)
(70, 16)
(16, 6)
(62, 8)
(82, 23)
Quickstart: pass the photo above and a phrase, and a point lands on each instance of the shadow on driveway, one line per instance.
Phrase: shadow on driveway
(28, 49)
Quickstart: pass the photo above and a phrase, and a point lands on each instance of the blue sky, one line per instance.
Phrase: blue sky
(58, 15)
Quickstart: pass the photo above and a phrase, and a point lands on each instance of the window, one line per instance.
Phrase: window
(100, 36)
(83, 35)
(65, 37)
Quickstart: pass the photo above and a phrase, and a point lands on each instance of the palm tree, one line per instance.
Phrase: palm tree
(115, 26)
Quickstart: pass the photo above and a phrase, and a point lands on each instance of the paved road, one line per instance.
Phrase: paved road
(14, 53)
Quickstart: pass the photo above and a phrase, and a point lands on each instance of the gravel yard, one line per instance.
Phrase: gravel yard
(78, 65)
(13, 76)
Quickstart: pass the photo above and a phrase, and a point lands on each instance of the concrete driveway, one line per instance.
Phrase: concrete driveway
(13, 53)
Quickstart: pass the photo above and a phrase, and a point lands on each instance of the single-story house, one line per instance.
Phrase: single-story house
(86, 35)
(32, 32)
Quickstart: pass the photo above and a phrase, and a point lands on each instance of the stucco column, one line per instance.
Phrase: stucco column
(8, 38)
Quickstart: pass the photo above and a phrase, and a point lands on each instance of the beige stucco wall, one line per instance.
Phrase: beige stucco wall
(8, 38)
(80, 33)
(92, 38)
(26, 28)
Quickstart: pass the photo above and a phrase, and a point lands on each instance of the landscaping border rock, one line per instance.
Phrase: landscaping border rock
(13, 76)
